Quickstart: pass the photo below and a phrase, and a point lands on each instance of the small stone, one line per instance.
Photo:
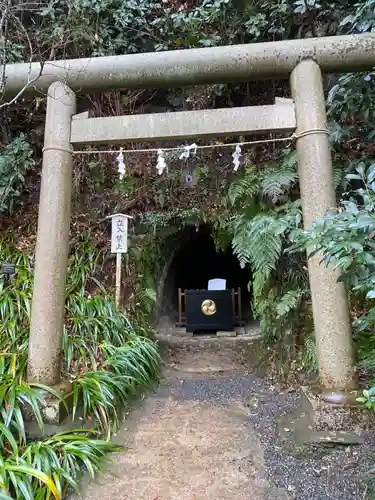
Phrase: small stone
(222, 333)
(334, 398)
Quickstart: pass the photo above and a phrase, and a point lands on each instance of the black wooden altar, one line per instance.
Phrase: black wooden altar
(236, 313)
(209, 310)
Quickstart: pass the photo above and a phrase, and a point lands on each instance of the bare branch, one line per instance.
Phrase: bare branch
(3, 39)
(9, 16)
(30, 83)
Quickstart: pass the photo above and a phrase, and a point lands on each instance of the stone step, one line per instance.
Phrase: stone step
(212, 354)
(252, 330)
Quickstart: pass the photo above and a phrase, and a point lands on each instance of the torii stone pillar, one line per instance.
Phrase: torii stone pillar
(333, 334)
(51, 259)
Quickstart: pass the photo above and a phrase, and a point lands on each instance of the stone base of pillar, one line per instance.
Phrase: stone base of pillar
(56, 416)
(54, 411)
(338, 411)
(325, 419)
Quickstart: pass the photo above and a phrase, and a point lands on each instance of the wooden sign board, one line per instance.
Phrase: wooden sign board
(119, 239)
(119, 245)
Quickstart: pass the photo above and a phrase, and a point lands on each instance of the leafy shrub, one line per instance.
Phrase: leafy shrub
(18, 397)
(20, 481)
(15, 161)
(346, 239)
(54, 465)
(125, 370)
(66, 455)
(368, 399)
(107, 361)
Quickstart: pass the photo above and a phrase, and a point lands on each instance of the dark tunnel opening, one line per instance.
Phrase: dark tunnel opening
(195, 263)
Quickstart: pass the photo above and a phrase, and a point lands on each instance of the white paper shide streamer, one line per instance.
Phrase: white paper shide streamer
(121, 164)
(188, 150)
(160, 165)
(236, 157)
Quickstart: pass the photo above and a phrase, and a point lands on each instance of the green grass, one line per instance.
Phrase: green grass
(108, 359)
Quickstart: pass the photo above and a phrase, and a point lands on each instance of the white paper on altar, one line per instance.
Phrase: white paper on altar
(217, 284)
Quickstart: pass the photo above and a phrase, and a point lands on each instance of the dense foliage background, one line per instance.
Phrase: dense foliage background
(256, 210)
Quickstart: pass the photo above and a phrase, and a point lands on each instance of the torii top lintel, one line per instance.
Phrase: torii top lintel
(197, 66)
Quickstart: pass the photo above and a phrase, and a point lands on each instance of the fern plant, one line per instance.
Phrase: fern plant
(258, 241)
(277, 181)
(245, 188)
(264, 218)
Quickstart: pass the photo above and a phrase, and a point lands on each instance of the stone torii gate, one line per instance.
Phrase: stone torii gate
(302, 60)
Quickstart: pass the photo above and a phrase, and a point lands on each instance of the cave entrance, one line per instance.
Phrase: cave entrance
(195, 262)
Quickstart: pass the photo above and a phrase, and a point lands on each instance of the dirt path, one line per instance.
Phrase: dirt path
(184, 450)
(211, 436)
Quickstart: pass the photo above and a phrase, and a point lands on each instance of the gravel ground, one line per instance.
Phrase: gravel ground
(334, 475)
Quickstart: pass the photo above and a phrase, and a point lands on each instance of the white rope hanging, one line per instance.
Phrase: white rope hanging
(187, 151)
(203, 146)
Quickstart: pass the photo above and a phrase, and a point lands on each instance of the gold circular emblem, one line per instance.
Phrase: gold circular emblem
(208, 307)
